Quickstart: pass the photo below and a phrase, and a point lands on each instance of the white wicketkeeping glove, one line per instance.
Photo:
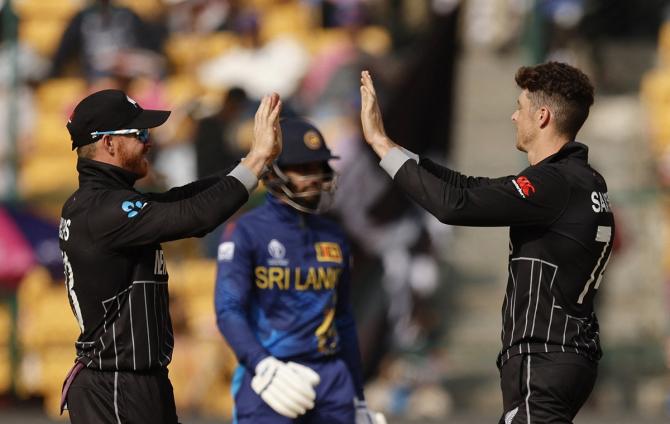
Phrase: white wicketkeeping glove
(365, 415)
(287, 387)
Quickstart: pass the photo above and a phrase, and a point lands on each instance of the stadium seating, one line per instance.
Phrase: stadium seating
(47, 9)
(186, 51)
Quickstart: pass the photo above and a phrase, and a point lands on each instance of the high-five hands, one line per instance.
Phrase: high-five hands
(267, 141)
(371, 117)
(287, 387)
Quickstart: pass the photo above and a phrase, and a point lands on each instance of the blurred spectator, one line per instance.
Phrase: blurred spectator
(207, 16)
(109, 40)
(328, 82)
(339, 13)
(217, 145)
(20, 68)
(277, 65)
(215, 141)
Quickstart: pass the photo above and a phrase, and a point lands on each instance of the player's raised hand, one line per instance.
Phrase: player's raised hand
(371, 117)
(267, 133)
(267, 142)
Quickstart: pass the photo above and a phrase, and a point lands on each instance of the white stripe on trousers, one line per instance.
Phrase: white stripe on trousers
(116, 404)
(528, 394)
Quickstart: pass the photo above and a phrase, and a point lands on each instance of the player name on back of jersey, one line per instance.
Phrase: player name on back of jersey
(285, 278)
(601, 203)
(64, 229)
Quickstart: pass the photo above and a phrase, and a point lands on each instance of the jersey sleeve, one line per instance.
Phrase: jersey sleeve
(346, 328)
(456, 179)
(234, 279)
(126, 218)
(537, 196)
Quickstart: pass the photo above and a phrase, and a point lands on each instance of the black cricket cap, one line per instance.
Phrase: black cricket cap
(302, 143)
(110, 110)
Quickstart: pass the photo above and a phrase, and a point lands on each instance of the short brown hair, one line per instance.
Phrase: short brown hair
(565, 89)
(87, 151)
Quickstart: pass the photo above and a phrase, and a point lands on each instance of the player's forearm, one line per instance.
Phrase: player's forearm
(456, 179)
(235, 329)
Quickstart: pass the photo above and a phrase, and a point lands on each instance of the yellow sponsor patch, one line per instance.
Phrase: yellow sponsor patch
(328, 252)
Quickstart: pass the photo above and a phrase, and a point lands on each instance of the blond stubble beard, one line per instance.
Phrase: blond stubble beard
(137, 165)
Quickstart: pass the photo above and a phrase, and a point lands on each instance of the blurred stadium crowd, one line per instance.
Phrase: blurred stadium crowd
(209, 61)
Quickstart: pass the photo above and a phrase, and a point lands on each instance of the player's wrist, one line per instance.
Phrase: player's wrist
(381, 145)
(264, 363)
(256, 162)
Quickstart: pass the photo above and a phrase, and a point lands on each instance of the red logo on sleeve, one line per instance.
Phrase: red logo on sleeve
(524, 186)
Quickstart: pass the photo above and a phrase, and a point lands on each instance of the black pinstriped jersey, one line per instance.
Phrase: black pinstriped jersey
(115, 271)
(561, 233)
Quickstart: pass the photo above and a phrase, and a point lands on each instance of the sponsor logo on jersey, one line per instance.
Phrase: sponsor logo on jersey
(524, 186)
(285, 278)
(277, 253)
(600, 202)
(328, 252)
(133, 208)
(226, 251)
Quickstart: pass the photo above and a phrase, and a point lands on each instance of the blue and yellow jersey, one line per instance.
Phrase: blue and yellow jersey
(282, 288)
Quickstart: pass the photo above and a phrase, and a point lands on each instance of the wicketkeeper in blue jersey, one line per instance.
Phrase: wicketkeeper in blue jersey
(282, 297)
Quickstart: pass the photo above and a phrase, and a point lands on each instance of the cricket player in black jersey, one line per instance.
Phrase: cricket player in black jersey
(115, 271)
(561, 232)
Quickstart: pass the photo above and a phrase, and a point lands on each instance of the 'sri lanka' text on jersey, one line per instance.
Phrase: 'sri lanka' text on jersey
(311, 278)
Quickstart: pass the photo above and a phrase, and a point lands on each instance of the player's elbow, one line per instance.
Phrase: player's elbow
(228, 314)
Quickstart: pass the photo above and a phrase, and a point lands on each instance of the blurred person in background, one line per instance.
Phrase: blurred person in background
(108, 40)
(283, 297)
(20, 69)
(246, 65)
(115, 270)
(393, 240)
(207, 16)
(216, 143)
(561, 234)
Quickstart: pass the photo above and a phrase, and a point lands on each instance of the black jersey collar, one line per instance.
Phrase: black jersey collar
(100, 174)
(573, 150)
